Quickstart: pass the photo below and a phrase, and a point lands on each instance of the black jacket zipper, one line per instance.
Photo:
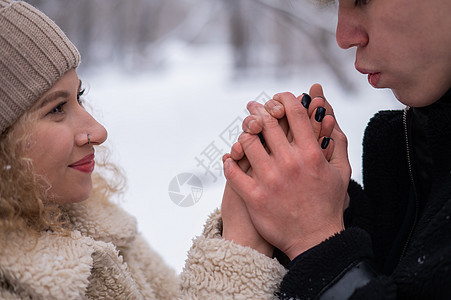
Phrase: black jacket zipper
(409, 163)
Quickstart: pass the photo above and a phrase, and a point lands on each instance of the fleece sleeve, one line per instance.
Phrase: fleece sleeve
(156, 280)
(9, 295)
(359, 212)
(315, 271)
(220, 269)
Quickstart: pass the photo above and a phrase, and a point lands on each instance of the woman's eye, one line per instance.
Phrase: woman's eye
(58, 109)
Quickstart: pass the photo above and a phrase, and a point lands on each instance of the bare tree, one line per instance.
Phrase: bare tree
(279, 35)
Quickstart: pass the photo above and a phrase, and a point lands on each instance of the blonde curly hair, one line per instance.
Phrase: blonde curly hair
(24, 202)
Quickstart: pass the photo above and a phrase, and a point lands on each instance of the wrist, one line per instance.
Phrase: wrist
(310, 241)
(255, 242)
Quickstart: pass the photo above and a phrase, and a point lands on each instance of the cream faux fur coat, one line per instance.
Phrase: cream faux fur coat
(106, 258)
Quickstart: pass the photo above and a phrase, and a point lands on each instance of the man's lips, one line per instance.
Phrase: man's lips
(86, 164)
(373, 77)
(363, 70)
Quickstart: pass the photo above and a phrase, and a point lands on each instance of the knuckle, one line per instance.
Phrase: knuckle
(269, 120)
(341, 138)
(236, 150)
(291, 165)
(254, 105)
(298, 109)
(316, 156)
(316, 127)
(247, 122)
(271, 103)
(243, 138)
(313, 156)
(248, 119)
(317, 101)
(271, 178)
(256, 196)
(229, 173)
(225, 156)
(283, 97)
(321, 100)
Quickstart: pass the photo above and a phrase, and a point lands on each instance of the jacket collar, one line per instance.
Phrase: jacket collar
(49, 267)
(52, 266)
(431, 133)
(103, 221)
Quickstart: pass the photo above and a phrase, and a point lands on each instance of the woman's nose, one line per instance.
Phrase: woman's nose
(350, 28)
(91, 132)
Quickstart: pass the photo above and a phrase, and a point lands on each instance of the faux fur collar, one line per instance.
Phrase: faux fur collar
(103, 221)
(58, 267)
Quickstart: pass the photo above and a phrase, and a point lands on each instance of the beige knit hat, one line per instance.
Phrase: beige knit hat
(34, 54)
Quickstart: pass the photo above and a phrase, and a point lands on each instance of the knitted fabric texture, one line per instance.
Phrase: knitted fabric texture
(34, 54)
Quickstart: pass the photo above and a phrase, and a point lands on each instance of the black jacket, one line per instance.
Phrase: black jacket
(397, 241)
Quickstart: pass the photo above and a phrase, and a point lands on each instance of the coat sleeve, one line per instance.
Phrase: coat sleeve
(220, 269)
(340, 267)
(9, 295)
(359, 212)
(156, 280)
(333, 269)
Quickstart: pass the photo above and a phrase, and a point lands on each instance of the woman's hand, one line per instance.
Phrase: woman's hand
(237, 224)
(295, 197)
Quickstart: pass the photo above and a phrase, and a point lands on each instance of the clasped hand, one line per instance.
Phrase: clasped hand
(289, 192)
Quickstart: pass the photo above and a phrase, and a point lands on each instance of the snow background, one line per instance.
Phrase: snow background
(160, 121)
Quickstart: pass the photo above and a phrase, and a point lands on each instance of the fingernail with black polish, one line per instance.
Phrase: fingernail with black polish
(320, 113)
(306, 99)
(325, 143)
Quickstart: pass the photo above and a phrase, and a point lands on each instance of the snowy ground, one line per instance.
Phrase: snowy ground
(161, 124)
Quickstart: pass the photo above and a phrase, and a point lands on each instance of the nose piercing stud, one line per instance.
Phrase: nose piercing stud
(89, 139)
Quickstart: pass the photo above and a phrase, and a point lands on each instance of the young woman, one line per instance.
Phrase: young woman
(60, 235)
(393, 239)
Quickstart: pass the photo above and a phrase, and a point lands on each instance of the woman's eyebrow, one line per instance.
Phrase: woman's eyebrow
(52, 97)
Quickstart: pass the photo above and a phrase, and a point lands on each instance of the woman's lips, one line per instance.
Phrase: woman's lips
(86, 164)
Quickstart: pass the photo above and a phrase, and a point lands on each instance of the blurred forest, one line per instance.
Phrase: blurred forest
(277, 36)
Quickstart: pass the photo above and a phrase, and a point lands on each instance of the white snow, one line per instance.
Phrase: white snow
(160, 121)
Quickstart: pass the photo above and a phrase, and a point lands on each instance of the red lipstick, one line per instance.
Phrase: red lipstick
(86, 164)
